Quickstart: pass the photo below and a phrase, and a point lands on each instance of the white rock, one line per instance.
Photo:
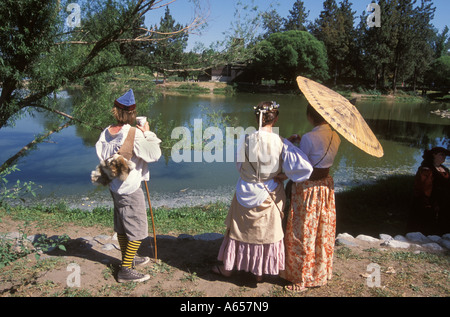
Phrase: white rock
(367, 238)
(446, 236)
(344, 235)
(385, 237)
(397, 244)
(346, 241)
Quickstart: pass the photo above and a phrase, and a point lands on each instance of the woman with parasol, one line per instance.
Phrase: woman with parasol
(254, 238)
(311, 220)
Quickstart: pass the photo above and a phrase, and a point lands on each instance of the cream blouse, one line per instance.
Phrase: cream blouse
(146, 150)
(315, 144)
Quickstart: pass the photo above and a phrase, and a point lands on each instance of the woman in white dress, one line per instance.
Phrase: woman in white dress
(254, 238)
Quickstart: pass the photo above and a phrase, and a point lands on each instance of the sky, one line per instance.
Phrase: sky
(221, 13)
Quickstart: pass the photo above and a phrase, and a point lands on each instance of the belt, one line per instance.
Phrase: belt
(319, 173)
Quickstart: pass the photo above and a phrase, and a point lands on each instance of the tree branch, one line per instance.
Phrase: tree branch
(66, 115)
(30, 145)
(196, 23)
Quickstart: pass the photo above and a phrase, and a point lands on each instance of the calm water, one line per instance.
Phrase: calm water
(62, 165)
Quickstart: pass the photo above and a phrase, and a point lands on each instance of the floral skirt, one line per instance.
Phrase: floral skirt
(258, 259)
(310, 233)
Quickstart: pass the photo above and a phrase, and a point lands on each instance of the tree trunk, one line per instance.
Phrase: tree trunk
(5, 98)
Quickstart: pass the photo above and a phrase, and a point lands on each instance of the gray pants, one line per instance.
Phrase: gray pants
(130, 215)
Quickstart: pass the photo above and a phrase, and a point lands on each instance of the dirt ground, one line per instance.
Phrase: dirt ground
(183, 269)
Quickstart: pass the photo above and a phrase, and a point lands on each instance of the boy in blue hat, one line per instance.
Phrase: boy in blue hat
(130, 214)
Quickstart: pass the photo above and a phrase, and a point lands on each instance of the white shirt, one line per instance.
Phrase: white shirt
(295, 165)
(146, 150)
(315, 144)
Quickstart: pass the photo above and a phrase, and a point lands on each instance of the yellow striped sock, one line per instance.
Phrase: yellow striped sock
(132, 248)
(123, 241)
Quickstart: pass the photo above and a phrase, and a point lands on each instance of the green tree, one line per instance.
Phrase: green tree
(402, 64)
(40, 54)
(422, 53)
(285, 55)
(27, 30)
(168, 50)
(378, 43)
(334, 28)
(272, 22)
(400, 49)
(441, 42)
(438, 75)
(347, 37)
(136, 52)
(297, 18)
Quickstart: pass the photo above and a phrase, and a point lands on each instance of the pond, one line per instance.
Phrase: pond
(61, 166)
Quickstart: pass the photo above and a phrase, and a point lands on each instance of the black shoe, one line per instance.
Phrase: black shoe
(129, 275)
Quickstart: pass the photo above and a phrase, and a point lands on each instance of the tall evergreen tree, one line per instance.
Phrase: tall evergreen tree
(272, 22)
(136, 52)
(347, 32)
(297, 18)
(422, 53)
(334, 28)
(441, 42)
(378, 43)
(402, 65)
(168, 50)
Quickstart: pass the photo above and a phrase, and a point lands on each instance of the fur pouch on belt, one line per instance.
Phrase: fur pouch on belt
(115, 167)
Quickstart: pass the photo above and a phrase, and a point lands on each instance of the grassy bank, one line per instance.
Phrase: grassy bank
(183, 269)
(189, 220)
(370, 209)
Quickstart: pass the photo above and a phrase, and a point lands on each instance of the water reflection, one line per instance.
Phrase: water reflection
(62, 165)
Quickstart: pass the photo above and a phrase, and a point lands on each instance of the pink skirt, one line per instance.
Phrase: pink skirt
(258, 259)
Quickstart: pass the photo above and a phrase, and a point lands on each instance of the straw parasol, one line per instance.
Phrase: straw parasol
(342, 115)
